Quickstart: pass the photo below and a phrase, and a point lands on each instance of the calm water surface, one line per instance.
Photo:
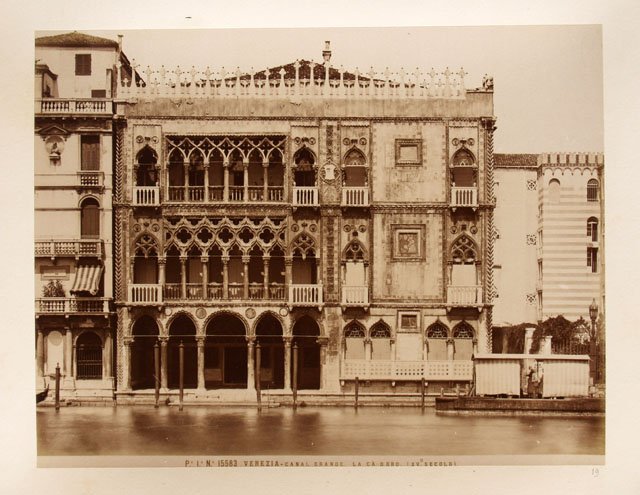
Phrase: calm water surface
(141, 430)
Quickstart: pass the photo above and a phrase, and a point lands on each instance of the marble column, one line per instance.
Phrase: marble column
(205, 276)
(225, 192)
(245, 178)
(323, 341)
(250, 365)
(183, 277)
(106, 355)
(200, 343)
(225, 277)
(164, 344)
(265, 277)
(450, 349)
(185, 167)
(39, 354)
(287, 363)
(265, 180)
(126, 359)
(68, 354)
(205, 195)
(245, 277)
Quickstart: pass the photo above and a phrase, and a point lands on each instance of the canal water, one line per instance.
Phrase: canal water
(204, 430)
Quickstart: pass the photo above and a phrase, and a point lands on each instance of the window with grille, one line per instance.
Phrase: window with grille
(592, 259)
(592, 190)
(88, 357)
(83, 64)
(90, 152)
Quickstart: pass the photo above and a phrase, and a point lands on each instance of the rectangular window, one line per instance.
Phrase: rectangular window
(83, 64)
(592, 259)
(90, 152)
(409, 152)
(408, 321)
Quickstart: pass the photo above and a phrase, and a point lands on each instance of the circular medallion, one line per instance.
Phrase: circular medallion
(250, 313)
(347, 227)
(137, 228)
(155, 227)
(346, 141)
(139, 139)
(313, 227)
(168, 311)
(283, 311)
(362, 228)
(296, 140)
(201, 313)
(312, 141)
(363, 141)
(295, 228)
(154, 139)
(470, 141)
(474, 229)
(453, 229)
(455, 141)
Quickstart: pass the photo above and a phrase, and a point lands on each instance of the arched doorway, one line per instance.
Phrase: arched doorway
(269, 336)
(182, 330)
(225, 354)
(145, 335)
(88, 357)
(305, 336)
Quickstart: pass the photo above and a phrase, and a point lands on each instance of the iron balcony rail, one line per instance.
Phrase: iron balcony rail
(102, 106)
(464, 196)
(355, 196)
(464, 295)
(52, 248)
(71, 305)
(406, 370)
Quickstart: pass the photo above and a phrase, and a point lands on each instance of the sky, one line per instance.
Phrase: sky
(548, 79)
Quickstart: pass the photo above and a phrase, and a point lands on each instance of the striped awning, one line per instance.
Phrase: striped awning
(87, 279)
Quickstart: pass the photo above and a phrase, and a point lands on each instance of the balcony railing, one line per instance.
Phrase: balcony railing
(355, 196)
(464, 295)
(90, 178)
(236, 290)
(464, 196)
(215, 291)
(216, 193)
(305, 196)
(100, 106)
(355, 295)
(146, 195)
(305, 295)
(236, 193)
(71, 305)
(196, 193)
(406, 370)
(78, 248)
(145, 293)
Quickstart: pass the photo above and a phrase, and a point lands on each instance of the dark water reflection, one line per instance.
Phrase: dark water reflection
(144, 430)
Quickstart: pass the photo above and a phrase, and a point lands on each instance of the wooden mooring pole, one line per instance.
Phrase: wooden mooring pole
(57, 386)
(258, 366)
(294, 384)
(156, 367)
(181, 354)
(357, 388)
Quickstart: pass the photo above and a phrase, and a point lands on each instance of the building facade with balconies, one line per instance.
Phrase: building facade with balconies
(336, 221)
(74, 88)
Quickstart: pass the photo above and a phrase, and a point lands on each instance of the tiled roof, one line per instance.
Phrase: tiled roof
(75, 39)
(507, 160)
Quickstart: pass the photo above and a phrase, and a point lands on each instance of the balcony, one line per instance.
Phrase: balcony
(76, 248)
(90, 179)
(66, 306)
(406, 370)
(305, 196)
(355, 196)
(305, 295)
(355, 296)
(464, 197)
(464, 295)
(150, 294)
(216, 194)
(146, 196)
(215, 291)
(68, 106)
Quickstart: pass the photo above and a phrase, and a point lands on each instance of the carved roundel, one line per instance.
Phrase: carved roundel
(474, 229)
(346, 141)
(295, 228)
(453, 229)
(137, 228)
(362, 228)
(139, 139)
(250, 313)
(313, 227)
(347, 227)
(283, 311)
(155, 227)
(201, 313)
(363, 141)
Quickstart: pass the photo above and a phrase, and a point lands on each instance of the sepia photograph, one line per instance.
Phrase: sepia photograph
(244, 249)
(328, 254)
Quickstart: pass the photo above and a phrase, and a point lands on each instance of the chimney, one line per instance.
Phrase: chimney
(326, 53)
(120, 44)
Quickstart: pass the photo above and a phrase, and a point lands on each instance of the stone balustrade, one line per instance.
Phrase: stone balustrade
(101, 106)
(355, 196)
(464, 196)
(77, 248)
(305, 196)
(377, 369)
(305, 295)
(355, 295)
(333, 83)
(464, 295)
(71, 305)
(146, 196)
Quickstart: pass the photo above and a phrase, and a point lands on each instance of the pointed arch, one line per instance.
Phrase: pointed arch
(436, 337)
(463, 330)
(464, 250)
(354, 157)
(304, 158)
(463, 158)
(463, 338)
(355, 251)
(303, 245)
(380, 330)
(380, 333)
(437, 330)
(354, 329)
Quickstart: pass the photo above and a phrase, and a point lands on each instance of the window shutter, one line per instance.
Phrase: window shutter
(90, 221)
(90, 159)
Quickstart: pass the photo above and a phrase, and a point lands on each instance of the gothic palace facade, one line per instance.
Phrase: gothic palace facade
(345, 216)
